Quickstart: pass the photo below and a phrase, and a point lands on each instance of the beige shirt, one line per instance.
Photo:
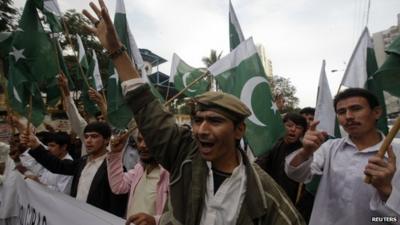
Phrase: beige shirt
(87, 175)
(144, 196)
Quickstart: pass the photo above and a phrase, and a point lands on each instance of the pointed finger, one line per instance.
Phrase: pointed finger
(95, 9)
(102, 5)
(313, 125)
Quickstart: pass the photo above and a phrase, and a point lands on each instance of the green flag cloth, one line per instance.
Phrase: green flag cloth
(92, 75)
(33, 64)
(235, 32)
(241, 73)
(94, 72)
(389, 73)
(359, 73)
(374, 86)
(82, 54)
(52, 13)
(5, 44)
(182, 74)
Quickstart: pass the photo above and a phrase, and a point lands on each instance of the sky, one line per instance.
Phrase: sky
(297, 34)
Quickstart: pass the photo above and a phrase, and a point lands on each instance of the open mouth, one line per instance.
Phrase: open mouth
(206, 147)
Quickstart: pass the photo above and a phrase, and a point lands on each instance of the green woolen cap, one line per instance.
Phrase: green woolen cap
(220, 102)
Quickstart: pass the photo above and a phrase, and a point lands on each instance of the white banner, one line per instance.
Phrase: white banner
(31, 203)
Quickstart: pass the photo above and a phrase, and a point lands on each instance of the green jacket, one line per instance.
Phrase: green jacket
(176, 150)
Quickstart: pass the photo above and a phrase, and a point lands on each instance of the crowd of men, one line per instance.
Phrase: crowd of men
(171, 174)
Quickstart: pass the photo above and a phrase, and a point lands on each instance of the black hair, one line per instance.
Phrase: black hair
(308, 110)
(60, 138)
(357, 92)
(297, 119)
(100, 127)
(43, 136)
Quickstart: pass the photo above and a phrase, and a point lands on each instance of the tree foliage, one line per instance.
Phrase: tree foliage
(76, 24)
(281, 86)
(7, 15)
(212, 58)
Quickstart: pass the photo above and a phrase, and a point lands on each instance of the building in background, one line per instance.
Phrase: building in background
(382, 40)
(267, 63)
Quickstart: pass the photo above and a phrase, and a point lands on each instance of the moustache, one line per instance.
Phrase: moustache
(351, 124)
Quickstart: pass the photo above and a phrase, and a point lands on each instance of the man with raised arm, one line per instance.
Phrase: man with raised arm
(212, 181)
(343, 197)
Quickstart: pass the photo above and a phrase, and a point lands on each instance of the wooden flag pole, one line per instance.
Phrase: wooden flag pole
(386, 142)
(169, 101)
(187, 87)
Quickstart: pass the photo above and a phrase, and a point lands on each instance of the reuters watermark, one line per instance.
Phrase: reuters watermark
(385, 219)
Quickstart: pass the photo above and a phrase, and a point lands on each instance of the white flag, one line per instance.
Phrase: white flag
(324, 110)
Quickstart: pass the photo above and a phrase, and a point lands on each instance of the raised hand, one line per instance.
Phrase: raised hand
(63, 84)
(96, 96)
(118, 142)
(103, 27)
(313, 138)
(29, 139)
(381, 172)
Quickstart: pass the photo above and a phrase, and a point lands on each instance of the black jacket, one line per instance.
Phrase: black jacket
(100, 194)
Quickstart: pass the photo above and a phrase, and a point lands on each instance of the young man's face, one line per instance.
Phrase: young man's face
(308, 117)
(95, 142)
(56, 149)
(293, 132)
(144, 153)
(216, 135)
(356, 116)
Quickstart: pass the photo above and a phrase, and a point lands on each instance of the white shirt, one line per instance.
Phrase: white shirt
(144, 196)
(57, 182)
(223, 207)
(78, 123)
(87, 175)
(342, 197)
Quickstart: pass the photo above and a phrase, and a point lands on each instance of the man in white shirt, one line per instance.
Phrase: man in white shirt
(343, 197)
(90, 181)
(57, 145)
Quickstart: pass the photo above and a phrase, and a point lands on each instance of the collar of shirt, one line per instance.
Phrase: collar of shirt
(373, 148)
(96, 160)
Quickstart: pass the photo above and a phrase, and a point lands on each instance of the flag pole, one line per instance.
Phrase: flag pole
(187, 87)
(174, 97)
(75, 56)
(386, 142)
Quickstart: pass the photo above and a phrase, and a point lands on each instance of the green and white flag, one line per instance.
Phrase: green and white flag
(33, 63)
(324, 111)
(52, 12)
(5, 43)
(82, 54)
(95, 72)
(235, 32)
(182, 74)
(360, 70)
(241, 73)
(389, 73)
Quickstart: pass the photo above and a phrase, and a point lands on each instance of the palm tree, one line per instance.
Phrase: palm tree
(208, 61)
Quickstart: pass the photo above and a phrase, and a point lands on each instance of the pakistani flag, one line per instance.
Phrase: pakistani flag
(33, 63)
(182, 74)
(235, 32)
(5, 43)
(82, 54)
(241, 73)
(95, 72)
(52, 13)
(389, 73)
(360, 70)
(324, 111)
